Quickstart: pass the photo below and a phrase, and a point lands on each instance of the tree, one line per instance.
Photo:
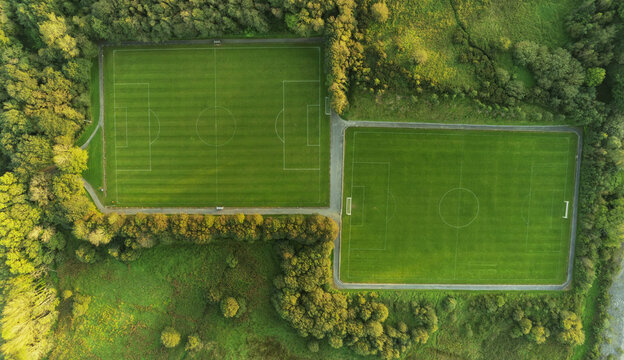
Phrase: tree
(55, 34)
(21, 253)
(525, 325)
(594, 76)
(170, 337)
(33, 154)
(572, 329)
(539, 334)
(380, 12)
(229, 307)
(28, 317)
(70, 159)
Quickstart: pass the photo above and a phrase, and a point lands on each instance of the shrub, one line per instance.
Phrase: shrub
(80, 305)
(86, 254)
(67, 294)
(193, 344)
(229, 307)
(313, 346)
(170, 337)
(231, 261)
(450, 303)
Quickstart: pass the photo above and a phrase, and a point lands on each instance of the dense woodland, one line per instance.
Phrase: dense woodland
(46, 52)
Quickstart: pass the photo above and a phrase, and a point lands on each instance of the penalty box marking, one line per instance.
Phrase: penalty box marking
(283, 138)
(149, 126)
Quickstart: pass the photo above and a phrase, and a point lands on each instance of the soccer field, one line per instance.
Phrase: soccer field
(424, 206)
(215, 126)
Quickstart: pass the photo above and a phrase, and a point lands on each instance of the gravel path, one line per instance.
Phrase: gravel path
(101, 85)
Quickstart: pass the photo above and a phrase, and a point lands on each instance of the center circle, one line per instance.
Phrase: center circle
(459, 207)
(215, 126)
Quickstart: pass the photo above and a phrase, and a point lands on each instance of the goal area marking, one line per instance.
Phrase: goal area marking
(348, 206)
(565, 216)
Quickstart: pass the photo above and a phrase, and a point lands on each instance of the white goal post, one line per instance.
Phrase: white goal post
(566, 210)
(348, 206)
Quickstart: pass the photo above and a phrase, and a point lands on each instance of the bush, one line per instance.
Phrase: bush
(170, 337)
(193, 344)
(313, 346)
(229, 307)
(80, 305)
(86, 254)
(231, 261)
(450, 304)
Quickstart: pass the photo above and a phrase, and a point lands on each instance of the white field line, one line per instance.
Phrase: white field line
(115, 147)
(214, 58)
(461, 170)
(222, 48)
(276, 118)
(526, 238)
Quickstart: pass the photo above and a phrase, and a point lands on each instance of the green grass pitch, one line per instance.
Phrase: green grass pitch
(215, 126)
(456, 206)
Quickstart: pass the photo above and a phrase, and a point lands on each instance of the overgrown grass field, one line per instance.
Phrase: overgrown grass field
(216, 126)
(457, 206)
(168, 286)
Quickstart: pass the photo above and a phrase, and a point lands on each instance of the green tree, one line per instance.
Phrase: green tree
(28, 317)
(70, 159)
(594, 76)
(525, 325)
(21, 253)
(572, 329)
(54, 32)
(539, 334)
(170, 337)
(380, 12)
(229, 307)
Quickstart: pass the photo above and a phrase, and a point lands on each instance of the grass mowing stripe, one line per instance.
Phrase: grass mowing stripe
(457, 206)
